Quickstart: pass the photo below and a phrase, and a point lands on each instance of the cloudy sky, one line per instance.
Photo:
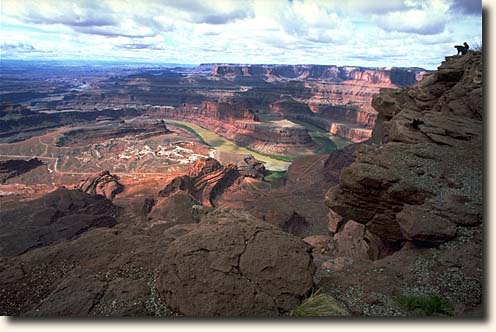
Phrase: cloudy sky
(342, 32)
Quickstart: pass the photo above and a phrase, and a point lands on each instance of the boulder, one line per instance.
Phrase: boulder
(334, 220)
(420, 224)
(355, 241)
(219, 270)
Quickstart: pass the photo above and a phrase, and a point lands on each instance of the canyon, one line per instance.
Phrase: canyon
(228, 190)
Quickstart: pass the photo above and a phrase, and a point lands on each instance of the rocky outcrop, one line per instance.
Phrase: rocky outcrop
(128, 271)
(337, 161)
(354, 240)
(252, 168)
(424, 163)
(356, 135)
(104, 272)
(62, 214)
(14, 167)
(103, 183)
(290, 106)
(217, 270)
(206, 180)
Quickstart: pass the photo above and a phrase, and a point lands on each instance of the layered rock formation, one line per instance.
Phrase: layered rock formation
(236, 122)
(331, 95)
(82, 136)
(356, 135)
(103, 183)
(385, 76)
(405, 218)
(296, 203)
(206, 179)
(423, 176)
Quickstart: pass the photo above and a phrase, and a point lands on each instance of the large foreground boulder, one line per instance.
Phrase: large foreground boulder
(240, 268)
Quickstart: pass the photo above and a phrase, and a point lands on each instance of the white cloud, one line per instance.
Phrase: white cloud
(381, 33)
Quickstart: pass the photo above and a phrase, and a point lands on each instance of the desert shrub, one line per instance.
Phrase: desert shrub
(425, 305)
(319, 305)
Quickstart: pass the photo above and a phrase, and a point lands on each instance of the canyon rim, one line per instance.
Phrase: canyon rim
(275, 159)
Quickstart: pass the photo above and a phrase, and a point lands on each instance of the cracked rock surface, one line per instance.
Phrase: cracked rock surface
(235, 267)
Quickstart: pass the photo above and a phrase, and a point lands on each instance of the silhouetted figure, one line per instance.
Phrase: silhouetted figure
(462, 49)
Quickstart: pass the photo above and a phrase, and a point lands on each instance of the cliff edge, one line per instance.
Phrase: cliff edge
(412, 199)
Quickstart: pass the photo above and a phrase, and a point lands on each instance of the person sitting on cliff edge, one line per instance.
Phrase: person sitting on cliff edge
(462, 49)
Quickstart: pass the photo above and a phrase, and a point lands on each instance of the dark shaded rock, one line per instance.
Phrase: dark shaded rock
(173, 210)
(180, 183)
(14, 167)
(62, 214)
(296, 225)
(105, 272)
(338, 160)
(148, 205)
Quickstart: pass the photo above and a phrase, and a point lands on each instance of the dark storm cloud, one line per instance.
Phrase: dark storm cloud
(470, 7)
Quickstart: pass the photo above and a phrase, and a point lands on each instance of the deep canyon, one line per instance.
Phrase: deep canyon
(239, 190)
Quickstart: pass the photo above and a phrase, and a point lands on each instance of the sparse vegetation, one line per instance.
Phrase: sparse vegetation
(326, 145)
(319, 305)
(425, 305)
(275, 177)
